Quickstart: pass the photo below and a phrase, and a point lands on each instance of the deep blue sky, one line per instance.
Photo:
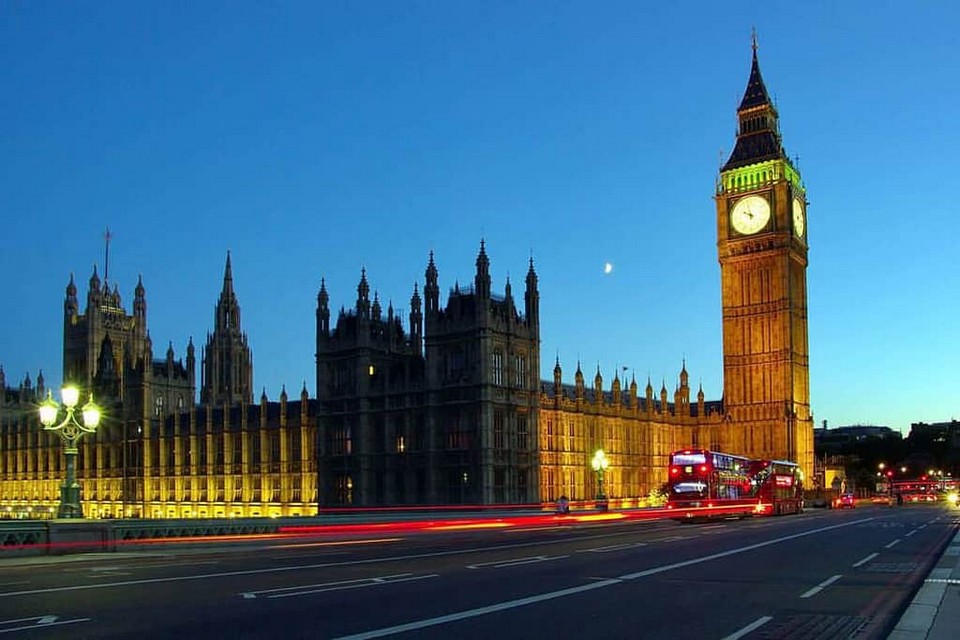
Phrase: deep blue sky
(314, 139)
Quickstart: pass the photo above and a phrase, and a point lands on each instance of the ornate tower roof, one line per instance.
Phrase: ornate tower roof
(758, 133)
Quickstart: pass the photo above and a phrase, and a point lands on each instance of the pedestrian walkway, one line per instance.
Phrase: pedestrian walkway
(934, 613)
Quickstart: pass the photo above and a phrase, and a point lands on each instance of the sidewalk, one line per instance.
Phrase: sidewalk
(934, 613)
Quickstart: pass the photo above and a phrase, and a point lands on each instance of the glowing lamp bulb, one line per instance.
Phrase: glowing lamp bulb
(91, 414)
(70, 395)
(48, 411)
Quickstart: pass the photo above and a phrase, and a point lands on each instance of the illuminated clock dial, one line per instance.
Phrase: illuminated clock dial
(799, 221)
(750, 214)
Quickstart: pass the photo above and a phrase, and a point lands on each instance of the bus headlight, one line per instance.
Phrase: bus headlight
(952, 497)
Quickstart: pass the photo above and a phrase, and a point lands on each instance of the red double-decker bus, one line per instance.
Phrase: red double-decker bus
(779, 486)
(915, 490)
(710, 483)
(704, 484)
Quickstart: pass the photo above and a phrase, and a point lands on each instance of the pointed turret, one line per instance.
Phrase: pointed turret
(228, 275)
(227, 363)
(363, 296)
(191, 361)
(482, 279)
(532, 297)
(323, 311)
(93, 292)
(431, 289)
(228, 311)
(416, 321)
(140, 300)
(557, 379)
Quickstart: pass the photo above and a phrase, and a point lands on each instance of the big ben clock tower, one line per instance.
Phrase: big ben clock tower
(762, 247)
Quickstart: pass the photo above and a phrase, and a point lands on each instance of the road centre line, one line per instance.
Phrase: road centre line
(863, 561)
(550, 595)
(892, 544)
(613, 547)
(42, 622)
(473, 613)
(514, 563)
(672, 538)
(820, 587)
(750, 628)
(341, 585)
(299, 567)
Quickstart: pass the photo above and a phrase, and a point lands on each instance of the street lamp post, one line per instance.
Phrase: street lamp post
(600, 464)
(70, 431)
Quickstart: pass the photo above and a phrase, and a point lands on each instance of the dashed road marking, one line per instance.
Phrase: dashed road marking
(820, 587)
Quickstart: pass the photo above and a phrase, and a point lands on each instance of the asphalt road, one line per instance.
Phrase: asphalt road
(822, 574)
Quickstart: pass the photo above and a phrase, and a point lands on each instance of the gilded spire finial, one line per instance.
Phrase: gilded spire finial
(753, 38)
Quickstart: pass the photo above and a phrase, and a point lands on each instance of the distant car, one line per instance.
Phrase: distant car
(846, 501)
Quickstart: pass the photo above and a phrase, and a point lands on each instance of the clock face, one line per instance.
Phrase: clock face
(750, 214)
(798, 219)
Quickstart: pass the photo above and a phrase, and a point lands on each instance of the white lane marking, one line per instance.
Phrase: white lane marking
(672, 538)
(132, 567)
(300, 567)
(911, 533)
(733, 552)
(499, 564)
(38, 623)
(522, 602)
(342, 585)
(820, 587)
(864, 561)
(714, 528)
(893, 544)
(613, 547)
(750, 628)
(473, 613)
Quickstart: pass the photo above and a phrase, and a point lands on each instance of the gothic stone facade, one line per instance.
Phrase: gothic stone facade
(451, 411)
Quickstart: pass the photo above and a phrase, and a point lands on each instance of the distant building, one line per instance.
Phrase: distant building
(854, 433)
(943, 432)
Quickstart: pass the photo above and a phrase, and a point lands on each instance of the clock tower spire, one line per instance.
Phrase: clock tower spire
(762, 247)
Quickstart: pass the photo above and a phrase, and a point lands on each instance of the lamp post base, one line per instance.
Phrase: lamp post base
(70, 502)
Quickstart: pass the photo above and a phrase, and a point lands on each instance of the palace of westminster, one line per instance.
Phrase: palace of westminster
(450, 410)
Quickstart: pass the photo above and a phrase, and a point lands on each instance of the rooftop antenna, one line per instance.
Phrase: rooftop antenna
(106, 257)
